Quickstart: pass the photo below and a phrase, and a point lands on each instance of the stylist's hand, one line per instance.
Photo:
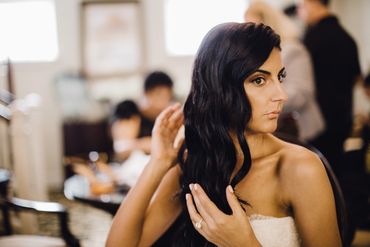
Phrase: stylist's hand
(217, 227)
(164, 133)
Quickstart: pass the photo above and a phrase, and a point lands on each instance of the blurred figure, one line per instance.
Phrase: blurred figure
(299, 84)
(367, 85)
(129, 132)
(131, 124)
(356, 182)
(358, 143)
(131, 128)
(361, 99)
(336, 68)
(158, 94)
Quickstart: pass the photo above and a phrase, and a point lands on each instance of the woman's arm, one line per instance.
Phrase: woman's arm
(309, 192)
(137, 223)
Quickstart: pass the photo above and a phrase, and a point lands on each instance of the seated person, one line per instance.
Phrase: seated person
(128, 130)
(131, 128)
(132, 125)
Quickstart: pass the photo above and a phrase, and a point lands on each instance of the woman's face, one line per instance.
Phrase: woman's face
(266, 94)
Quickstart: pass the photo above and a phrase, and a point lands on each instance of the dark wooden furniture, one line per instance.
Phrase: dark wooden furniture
(8, 203)
(83, 137)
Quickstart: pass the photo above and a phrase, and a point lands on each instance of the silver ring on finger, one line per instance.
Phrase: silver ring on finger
(198, 224)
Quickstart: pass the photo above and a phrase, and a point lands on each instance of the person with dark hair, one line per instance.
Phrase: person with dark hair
(131, 125)
(124, 110)
(156, 79)
(232, 183)
(336, 69)
(158, 94)
(129, 132)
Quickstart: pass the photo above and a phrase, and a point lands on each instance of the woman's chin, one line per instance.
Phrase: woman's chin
(266, 128)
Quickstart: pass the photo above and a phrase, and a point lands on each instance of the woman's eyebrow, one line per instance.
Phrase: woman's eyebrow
(262, 71)
(281, 71)
(268, 72)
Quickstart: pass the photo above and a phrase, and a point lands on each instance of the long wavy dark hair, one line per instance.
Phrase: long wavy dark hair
(217, 106)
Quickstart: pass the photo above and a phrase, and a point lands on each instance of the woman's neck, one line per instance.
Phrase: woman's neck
(258, 144)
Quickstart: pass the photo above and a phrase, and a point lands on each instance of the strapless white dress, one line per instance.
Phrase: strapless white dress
(275, 232)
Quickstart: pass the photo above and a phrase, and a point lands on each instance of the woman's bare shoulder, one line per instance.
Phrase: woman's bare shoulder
(300, 173)
(299, 164)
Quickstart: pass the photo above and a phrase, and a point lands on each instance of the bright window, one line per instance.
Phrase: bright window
(187, 21)
(28, 31)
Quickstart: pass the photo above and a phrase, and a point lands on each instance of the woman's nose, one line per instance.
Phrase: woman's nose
(279, 93)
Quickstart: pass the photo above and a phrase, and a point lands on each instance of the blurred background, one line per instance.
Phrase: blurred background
(65, 65)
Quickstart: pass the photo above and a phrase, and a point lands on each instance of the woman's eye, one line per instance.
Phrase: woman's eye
(282, 76)
(258, 81)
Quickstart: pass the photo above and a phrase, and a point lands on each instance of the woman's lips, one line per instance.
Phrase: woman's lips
(273, 114)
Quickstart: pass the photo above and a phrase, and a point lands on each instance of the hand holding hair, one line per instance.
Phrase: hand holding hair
(164, 134)
(214, 225)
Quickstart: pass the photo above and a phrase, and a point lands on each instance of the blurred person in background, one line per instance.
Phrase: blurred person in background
(158, 94)
(336, 69)
(356, 181)
(129, 132)
(131, 125)
(301, 114)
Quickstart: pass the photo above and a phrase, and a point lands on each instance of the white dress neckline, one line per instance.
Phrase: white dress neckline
(267, 217)
(274, 231)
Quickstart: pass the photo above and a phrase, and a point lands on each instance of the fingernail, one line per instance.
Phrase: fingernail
(230, 188)
(191, 187)
(195, 187)
(187, 196)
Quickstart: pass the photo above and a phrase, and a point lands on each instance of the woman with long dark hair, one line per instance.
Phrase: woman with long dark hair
(232, 183)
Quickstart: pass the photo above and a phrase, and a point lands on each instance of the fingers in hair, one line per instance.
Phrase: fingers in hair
(207, 209)
(194, 215)
(166, 114)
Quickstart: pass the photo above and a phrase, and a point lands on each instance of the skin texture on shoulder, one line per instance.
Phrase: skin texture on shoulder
(307, 190)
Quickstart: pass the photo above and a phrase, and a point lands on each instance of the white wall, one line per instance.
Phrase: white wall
(38, 77)
(179, 67)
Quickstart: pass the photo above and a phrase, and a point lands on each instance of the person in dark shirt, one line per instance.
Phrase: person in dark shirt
(131, 124)
(336, 68)
(158, 94)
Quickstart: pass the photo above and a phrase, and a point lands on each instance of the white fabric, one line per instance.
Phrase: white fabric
(275, 232)
(30, 240)
(130, 170)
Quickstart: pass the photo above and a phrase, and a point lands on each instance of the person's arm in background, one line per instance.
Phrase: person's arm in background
(299, 83)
